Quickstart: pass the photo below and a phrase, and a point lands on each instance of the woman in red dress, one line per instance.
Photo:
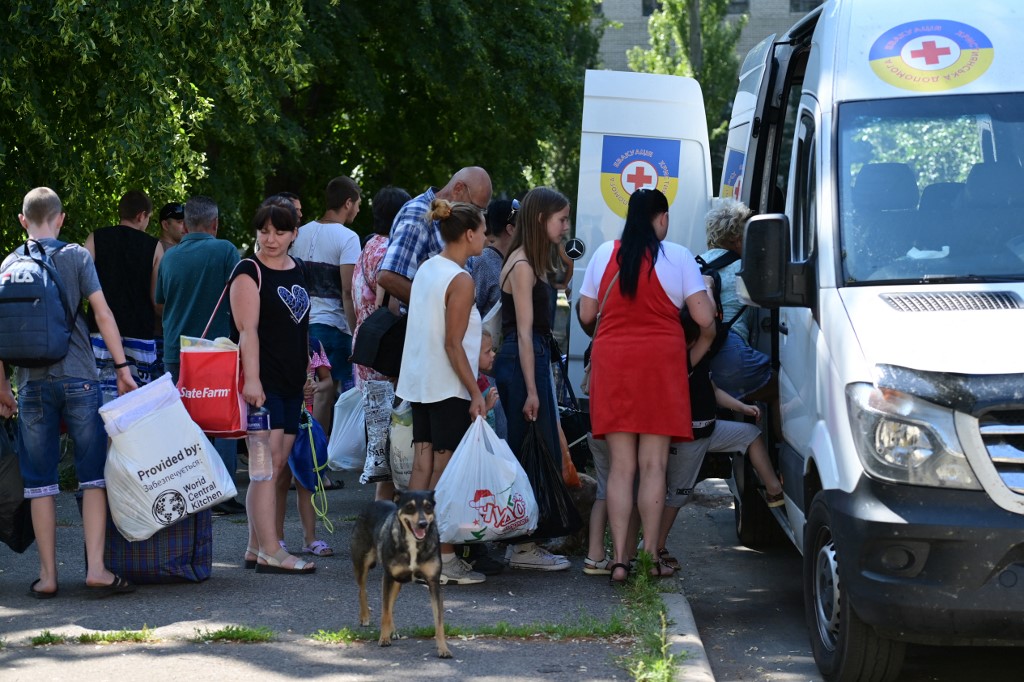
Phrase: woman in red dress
(639, 395)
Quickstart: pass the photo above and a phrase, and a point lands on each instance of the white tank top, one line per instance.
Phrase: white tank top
(427, 374)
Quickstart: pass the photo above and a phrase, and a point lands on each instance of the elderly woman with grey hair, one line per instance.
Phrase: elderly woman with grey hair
(738, 369)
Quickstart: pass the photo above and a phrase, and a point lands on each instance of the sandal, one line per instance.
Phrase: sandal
(667, 559)
(38, 594)
(611, 574)
(318, 548)
(591, 567)
(275, 564)
(661, 570)
(117, 586)
(776, 500)
(251, 563)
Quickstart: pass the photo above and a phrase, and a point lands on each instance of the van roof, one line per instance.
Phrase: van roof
(901, 48)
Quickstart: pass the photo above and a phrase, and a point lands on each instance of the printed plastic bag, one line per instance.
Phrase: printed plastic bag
(402, 451)
(558, 515)
(483, 494)
(378, 397)
(210, 383)
(347, 448)
(160, 466)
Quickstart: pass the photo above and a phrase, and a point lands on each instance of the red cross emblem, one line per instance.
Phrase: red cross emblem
(930, 52)
(639, 175)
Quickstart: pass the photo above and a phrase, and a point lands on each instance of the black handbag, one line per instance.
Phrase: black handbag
(15, 511)
(380, 341)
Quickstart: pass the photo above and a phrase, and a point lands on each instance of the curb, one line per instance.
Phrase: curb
(683, 638)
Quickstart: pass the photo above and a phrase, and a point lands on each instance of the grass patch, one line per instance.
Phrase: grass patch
(342, 636)
(135, 636)
(236, 633)
(650, 660)
(46, 638)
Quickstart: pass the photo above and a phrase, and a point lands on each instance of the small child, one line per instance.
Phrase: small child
(711, 435)
(490, 393)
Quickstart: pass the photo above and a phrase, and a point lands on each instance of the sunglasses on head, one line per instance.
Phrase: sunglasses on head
(513, 213)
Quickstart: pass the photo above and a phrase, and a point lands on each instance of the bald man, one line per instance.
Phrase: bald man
(414, 239)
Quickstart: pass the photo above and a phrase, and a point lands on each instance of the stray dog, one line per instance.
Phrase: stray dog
(403, 537)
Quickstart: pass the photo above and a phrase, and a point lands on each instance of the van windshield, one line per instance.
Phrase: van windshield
(931, 189)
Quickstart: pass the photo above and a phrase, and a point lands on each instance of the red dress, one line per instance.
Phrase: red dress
(638, 379)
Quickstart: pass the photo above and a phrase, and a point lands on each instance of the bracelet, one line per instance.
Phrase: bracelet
(122, 365)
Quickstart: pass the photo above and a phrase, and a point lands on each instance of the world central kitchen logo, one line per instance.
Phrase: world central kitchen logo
(630, 164)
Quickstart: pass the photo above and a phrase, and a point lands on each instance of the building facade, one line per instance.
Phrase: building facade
(765, 17)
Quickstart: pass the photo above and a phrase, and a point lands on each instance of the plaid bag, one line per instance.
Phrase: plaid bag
(177, 554)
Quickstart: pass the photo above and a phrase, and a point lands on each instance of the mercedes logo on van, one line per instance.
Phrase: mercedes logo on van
(575, 248)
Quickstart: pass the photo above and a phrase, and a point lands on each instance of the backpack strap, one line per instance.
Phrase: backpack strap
(259, 286)
(46, 263)
(726, 259)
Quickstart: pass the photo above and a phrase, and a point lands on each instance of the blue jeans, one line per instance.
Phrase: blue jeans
(338, 345)
(508, 374)
(41, 405)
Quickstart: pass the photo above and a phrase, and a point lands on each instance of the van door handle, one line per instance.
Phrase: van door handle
(783, 329)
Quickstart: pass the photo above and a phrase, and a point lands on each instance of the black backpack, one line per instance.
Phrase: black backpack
(711, 269)
(35, 319)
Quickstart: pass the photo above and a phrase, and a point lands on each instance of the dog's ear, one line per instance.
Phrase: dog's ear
(430, 496)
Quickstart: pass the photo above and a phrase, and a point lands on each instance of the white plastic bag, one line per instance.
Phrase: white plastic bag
(402, 451)
(484, 494)
(160, 466)
(346, 449)
(378, 398)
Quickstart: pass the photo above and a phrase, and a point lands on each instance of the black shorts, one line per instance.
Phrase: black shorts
(284, 411)
(441, 424)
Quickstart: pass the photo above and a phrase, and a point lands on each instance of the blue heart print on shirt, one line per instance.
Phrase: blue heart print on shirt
(297, 301)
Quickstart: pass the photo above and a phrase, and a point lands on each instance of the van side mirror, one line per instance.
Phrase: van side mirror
(766, 277)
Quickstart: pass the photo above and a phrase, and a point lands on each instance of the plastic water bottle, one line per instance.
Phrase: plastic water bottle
(108, 383)
(261, 466)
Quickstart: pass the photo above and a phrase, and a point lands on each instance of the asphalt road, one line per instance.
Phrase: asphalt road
(749, 608)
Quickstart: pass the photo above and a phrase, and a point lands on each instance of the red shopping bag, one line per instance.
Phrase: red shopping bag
(210, 384)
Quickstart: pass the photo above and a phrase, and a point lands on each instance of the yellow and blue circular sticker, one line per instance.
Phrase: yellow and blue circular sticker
(630, 164)
(931, 55)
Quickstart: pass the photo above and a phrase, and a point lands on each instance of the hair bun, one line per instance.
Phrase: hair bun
(440, 209)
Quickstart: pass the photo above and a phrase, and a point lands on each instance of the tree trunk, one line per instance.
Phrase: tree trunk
(696, 46)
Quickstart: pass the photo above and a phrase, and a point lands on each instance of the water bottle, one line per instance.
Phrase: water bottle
(261, 466)
(108, 383)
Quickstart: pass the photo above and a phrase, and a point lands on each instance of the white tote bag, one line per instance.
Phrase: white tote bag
(160, 465)
(346, 449)
(484, 494)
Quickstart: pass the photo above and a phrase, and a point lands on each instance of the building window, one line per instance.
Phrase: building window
(598, 8)
(803, 6)
(647, 7)
(739, 6)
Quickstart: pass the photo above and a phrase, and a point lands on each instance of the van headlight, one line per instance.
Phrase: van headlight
(903, 439)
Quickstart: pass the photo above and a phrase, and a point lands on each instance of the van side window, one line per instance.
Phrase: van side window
(805, 197)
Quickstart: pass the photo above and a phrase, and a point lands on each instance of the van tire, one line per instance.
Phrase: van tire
(756, 527)
(845, 648)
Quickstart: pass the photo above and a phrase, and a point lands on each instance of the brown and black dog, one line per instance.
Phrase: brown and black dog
(403, 537)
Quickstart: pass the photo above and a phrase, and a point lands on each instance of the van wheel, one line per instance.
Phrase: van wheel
(755, 525)
(845, 649)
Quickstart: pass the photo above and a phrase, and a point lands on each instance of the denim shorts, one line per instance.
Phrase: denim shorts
(284, 410)
(338, 345)
(738, 369)
(41, 406)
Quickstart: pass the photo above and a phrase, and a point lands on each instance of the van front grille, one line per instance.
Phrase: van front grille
(953, 301)
(1002, 431)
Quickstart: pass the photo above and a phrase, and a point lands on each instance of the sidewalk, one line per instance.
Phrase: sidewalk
(294, 607)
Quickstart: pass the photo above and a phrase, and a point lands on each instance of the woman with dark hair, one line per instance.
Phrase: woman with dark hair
(639, 394)
(501, 228)
(270, 320)
(385, 205)
(441, 358)
(522, 368)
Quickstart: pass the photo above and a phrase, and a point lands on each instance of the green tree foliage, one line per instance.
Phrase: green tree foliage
(713, 62)
(239, 98)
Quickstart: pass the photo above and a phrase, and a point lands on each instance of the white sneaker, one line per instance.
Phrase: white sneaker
(459, 572)
(532, 556)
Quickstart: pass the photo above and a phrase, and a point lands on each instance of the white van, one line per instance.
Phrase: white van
(882, 145)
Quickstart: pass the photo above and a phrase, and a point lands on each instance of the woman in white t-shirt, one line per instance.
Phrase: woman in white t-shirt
(440, 357)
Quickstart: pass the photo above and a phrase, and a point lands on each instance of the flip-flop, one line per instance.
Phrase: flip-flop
(118, 586)
(251, 563)
(318, 548)
(38, 594)
(274, 562)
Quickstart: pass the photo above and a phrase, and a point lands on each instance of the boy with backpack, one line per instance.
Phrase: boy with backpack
(52, 386)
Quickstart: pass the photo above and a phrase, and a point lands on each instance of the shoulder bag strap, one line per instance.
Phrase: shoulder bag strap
(259, 286)
(603, 300)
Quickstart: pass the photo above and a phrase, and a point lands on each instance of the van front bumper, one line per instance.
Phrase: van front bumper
(930, 565)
